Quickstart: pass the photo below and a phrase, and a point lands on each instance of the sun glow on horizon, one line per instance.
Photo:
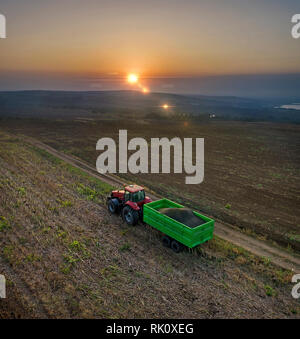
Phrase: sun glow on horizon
(132, 78)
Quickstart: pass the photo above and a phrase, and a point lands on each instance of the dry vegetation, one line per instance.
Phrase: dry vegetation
(65, 256)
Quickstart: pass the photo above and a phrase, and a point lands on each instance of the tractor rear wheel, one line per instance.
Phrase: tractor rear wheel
(130, 216)
(176, 246)
(113, 205)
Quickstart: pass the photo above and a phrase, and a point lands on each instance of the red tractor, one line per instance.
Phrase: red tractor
(129, 203)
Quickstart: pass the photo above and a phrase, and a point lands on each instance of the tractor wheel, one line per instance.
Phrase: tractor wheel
(166, 241)
(113, 205)
(130, 216)
(176, 246)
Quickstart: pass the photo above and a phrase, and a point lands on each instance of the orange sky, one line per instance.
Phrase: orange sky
(155, 37)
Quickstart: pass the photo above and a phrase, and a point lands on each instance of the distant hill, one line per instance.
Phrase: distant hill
(133, 104)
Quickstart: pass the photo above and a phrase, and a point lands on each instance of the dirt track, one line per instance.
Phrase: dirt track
(224, 231)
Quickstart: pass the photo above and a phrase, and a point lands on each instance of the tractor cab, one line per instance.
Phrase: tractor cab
(134, 193)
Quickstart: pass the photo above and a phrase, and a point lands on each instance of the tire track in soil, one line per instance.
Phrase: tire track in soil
(260, 248)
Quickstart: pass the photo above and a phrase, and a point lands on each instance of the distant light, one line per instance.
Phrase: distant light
(132, 78)
(145, 90)
(165, 106)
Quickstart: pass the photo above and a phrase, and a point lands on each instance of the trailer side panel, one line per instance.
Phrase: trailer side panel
(190, 237)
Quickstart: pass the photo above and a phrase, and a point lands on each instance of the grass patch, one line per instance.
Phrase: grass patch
(88, 193)
(229, 250)
(61, 234)
(8, 253)
(294, 237)
(21, 190)
(4, 224)
(69, 263)
(44, 154)
(110, 272)
(125, 247)
(66, 203)
(97, 185)
(76, 246)
(270, 292)
(32, 258)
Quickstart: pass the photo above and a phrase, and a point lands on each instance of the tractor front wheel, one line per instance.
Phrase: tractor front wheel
(113, 205)
(130, 216)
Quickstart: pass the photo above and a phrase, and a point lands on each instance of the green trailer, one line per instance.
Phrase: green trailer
(176, 233)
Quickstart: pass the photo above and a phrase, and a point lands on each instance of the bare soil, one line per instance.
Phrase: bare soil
(65, 256)
(252, 176)
(259, 247)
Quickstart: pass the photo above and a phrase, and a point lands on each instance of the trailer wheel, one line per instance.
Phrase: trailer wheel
(113, 205)
(176, 246)
(130, 216)
(166, 241)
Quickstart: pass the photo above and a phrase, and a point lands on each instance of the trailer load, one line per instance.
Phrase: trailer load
(184, 215)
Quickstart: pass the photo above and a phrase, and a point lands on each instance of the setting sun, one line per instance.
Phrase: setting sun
(132, 78)
(165, 106)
